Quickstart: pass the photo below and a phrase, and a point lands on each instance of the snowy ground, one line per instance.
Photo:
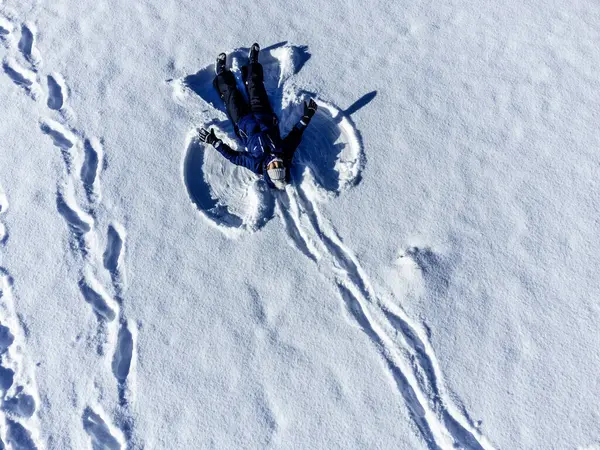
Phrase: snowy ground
(429, 280)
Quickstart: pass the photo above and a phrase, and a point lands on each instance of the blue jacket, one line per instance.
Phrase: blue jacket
(260, 134)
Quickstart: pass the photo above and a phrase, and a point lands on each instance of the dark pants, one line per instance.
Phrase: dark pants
(236, 106)
(253, 77)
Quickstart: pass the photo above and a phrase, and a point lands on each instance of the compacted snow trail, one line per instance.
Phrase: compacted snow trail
(328, 162)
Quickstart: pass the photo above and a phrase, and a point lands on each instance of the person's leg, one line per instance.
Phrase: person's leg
(234, 101)
(257, 95)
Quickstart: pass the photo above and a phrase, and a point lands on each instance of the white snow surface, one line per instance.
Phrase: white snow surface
(428, 280)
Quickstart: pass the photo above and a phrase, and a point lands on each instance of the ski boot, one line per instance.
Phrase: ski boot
(221, 62)
(253, 53)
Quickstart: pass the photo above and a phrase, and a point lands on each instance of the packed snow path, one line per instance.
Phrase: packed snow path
(328, 162)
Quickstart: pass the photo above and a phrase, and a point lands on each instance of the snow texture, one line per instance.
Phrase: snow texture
(427, 280)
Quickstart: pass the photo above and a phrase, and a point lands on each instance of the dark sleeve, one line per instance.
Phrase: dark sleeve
(292, 140)
(243, 159)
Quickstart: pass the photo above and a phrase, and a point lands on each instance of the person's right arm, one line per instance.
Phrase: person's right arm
(238, 158)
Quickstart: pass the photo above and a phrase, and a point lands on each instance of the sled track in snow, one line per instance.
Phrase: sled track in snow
(19, 397)
(78, 197)
(329, 161)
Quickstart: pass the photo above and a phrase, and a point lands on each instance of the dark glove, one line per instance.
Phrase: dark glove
(310, 109)
(208, 136)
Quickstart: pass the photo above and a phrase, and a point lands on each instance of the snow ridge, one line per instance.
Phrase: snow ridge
(78, 199)
(328, 162)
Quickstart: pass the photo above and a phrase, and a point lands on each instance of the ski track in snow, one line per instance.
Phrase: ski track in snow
(329, 161)
(19, 397)
(77, 199)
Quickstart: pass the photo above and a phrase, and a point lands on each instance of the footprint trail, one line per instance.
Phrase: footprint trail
(78, 197)
(18, 391)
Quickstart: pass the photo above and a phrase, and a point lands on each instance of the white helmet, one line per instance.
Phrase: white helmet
(277, 174)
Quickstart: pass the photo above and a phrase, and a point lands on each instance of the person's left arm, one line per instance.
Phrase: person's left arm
(292, 140)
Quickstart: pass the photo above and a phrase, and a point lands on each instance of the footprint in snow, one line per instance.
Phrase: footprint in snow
(7, 378)
(99, 432)
(114, 250)
(6, 339)
(330, 154)
(62, 138)
(22, 77)
(6, 29)
(99, 300)
(27, 45)
(3, 234)
(20, 404)
(122, 357)
(91, 168)
(56, 92)
(18, 437)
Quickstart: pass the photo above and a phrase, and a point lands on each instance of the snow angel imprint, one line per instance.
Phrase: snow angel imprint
(327, 154)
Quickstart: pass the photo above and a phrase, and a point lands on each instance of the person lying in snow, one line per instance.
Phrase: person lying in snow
(256, 124)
